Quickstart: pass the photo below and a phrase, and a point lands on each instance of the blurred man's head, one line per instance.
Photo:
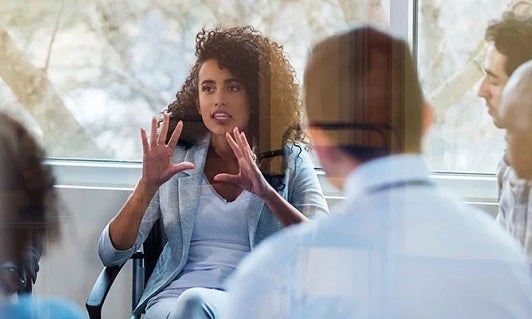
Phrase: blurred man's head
(510, 46)
(515, 114)
(363, 97)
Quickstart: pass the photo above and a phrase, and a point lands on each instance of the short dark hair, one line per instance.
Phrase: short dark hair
(364, 82)
(512, 36)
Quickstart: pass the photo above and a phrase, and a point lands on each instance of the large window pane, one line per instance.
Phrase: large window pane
(86, 75)
(451, 54)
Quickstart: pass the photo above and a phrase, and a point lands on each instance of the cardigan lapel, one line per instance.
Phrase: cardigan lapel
(188, 189)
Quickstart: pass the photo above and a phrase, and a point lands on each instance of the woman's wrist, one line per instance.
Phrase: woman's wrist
(269, 194)
(146, 188)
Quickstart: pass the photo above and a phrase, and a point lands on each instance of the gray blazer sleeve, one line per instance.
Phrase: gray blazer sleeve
(109, 255)
(304, 190)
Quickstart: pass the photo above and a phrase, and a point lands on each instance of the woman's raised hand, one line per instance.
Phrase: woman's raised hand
(157, 164)
(249, 176)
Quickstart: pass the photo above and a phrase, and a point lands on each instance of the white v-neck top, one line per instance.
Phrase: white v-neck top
(219, 241)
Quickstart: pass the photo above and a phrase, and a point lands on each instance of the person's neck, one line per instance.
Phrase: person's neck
(221, 147)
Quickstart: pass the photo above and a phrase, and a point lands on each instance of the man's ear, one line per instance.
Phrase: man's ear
(319, 138)
(320, 143)
(334, 161)
(427, 118)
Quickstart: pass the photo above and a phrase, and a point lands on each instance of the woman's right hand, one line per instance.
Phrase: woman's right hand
(157, 159)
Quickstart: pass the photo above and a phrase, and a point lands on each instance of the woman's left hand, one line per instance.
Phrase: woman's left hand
(249, 176)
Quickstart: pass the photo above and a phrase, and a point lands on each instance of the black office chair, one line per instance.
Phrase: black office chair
(143, 263)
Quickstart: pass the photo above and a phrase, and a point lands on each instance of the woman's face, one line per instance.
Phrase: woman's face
(223, 101)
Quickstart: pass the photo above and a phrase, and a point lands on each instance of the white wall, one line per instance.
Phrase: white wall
(70, 268)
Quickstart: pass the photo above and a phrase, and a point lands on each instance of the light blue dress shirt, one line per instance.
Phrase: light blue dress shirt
(398, 247)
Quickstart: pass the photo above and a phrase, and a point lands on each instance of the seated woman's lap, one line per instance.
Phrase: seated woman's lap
(193, 303)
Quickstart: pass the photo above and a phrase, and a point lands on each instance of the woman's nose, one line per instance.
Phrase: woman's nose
(219, 98)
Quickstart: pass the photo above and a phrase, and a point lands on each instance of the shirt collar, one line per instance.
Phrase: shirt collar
(386, 170)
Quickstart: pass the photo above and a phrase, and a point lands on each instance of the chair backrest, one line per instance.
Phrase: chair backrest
(152, 247)
(144, 262)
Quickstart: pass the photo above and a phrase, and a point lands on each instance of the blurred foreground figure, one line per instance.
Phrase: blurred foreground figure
(516, 115)
(398, 246)
(28, 218)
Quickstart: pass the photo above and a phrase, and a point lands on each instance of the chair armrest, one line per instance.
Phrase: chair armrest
(100, 289)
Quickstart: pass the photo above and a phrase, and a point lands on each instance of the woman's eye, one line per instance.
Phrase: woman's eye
(233, 88)
(207, 89)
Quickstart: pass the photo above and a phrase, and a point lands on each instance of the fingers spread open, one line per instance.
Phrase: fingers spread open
(246, 149)
(144, 138)
(164, 129)
(240, 146)
(227, 178)
(176, 134)
(183, 166)
(233, 144)
(153, 131)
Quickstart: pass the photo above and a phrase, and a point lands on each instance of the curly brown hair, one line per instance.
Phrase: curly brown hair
(28, 209)
(512, 36)
(262, 67)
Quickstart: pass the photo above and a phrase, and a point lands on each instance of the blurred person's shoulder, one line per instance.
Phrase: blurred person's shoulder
(42, 308)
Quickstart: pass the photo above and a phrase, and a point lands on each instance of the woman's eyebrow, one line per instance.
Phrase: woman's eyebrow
(230, 80)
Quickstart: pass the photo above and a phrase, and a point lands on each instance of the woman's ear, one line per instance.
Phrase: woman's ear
(197, 106)
(427, 118)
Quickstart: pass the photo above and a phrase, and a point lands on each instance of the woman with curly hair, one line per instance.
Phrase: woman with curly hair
(226, 168)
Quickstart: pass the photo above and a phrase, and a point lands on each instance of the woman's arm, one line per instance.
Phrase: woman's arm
(304, 189)
(281, 208)
(124, 227)
(110, 255)
(251, 179)
(157, 168)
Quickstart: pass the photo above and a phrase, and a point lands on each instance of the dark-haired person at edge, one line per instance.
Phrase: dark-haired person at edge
(510, 45)
(226, 168)
(398, 246)
(515, 114)
(29, 220)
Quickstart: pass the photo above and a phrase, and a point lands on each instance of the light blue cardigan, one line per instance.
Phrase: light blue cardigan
(176, 202)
